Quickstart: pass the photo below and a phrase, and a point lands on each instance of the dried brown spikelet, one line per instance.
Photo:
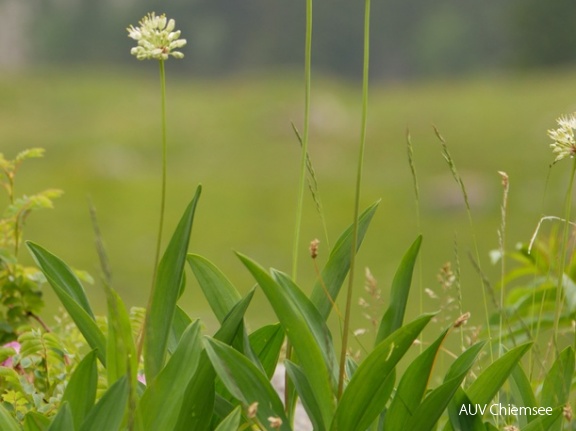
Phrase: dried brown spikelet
(462, 320)
(252, 410)
(314, 248)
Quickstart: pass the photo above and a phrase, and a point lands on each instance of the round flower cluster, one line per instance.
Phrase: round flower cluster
(563, 137)
(156, 38)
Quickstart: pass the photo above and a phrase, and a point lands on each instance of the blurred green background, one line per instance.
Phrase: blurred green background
(72, 87)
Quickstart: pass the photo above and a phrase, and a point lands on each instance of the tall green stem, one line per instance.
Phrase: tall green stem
(303, 157)
(562, 263)
(164, 169)
(357, 196)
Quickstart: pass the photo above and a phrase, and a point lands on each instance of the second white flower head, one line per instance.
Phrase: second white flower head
(564, 144)
(156, 38)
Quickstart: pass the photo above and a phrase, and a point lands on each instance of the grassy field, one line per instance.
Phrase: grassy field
(101, 130)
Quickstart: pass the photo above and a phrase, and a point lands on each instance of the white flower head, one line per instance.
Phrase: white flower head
(564, 144)
(156, 38)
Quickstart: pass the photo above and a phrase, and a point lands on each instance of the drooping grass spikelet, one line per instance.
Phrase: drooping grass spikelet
(448, 157)
(313, 185)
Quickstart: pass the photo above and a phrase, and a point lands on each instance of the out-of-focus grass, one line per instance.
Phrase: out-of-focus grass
(101, 130)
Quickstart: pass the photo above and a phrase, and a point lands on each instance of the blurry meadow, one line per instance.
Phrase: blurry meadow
(100, 129)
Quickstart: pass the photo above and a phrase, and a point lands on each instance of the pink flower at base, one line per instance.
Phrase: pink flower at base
(14, 345)
(142, 378)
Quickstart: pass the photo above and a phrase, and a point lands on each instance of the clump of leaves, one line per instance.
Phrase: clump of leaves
(20, 286)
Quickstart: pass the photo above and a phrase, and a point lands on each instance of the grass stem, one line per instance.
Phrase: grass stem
(365, 76)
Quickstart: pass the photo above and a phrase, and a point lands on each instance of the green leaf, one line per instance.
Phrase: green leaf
(120, 348)
(34, 421)
(109, 412)
(198, 401)
(486, 386)
(71, 294)
(412, 386)
(314, 322)
(522, 392)
(165, 293)
(180, 322)
(160, 405)
(394, 315)
(302, 337)
(59, 274)
(80, 393)
(230, 422)
(429, 411)
(243, 379)
(545, 422)
(7, 423)
(63, 420)
(218, 290)
(556, 386)
(267, 343)
(338, 265)
(361, 402)
(306, 394)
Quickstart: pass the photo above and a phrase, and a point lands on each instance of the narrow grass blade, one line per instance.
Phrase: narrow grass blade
(80, 393)
(301, 336)
(63, 420)
(394, 315)
(307, 395)
(71, 294)
(34, 421)
(160, 405)
(166, 291)
(218, 290)
(338, 265)
(429, 411)
(314, 321)
(230, 422)
(198, 400)
(361, 401)
(412, 386)
(7, 423)
(109, 412)
(246, 382)
(267, 343)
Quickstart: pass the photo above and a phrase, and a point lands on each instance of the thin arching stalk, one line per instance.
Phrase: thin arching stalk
(357, 196)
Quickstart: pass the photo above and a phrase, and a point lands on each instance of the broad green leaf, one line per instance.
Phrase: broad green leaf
(71, 294)
(63, 420)
(230, 422)
(59, 274)
(160, 405)
(522, 392)
(314, 321)
(7, 423)
(120, 348)
(301, 336)
(243, 379)
(34, 421)
(361, 402)
(426, 415)
(394, 315)
(487, 384)
(307, 395)
(179, 324)
(412, 386)
(198, 400)
(80, 393)
(165, 293)
(545, 422)
(267, 344)
(218, 290)
(338, 265)
(556, 387)
(109, 412)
